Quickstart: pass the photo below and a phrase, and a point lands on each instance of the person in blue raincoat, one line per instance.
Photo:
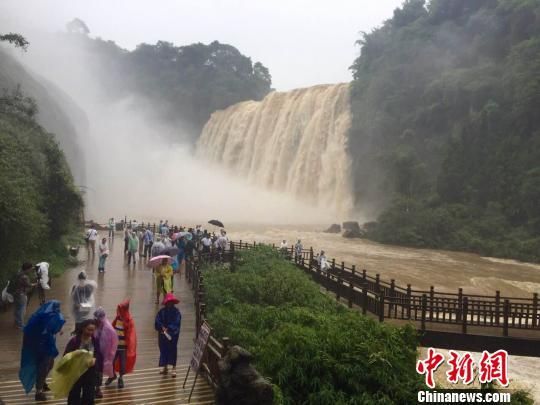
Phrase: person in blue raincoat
(181, 245)
(168, 321)
(39, 347)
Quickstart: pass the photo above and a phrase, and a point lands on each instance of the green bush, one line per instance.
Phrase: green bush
(315, 350)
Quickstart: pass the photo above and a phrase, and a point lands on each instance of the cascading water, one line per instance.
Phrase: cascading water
(293, 142)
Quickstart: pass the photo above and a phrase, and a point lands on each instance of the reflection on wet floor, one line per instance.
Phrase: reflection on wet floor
(119, 281)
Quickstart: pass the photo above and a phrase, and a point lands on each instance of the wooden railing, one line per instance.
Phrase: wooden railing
(388, 300)
(385, 300)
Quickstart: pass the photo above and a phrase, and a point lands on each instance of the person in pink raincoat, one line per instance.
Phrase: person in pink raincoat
(108, 343)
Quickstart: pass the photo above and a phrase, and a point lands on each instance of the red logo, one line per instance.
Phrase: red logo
(491, 367)
(429, 366)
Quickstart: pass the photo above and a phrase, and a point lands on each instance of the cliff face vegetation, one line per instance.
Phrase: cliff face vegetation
(39, 202)
(445, 105)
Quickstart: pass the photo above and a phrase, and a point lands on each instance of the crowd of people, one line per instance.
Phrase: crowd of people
(101, 352)
(99, 348)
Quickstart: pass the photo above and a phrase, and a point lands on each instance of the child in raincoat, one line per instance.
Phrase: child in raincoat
(108, 344)
(126, 352)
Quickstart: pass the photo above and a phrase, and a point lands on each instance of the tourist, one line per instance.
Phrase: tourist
(92, 235)
(140, 234)
(126, 239)
(126, 352)
(222, 242)
(148, 241)
(84, 390)
(39, 347)
(283, 248)
(111, 228)
(168, 321)
(157, 247)
(43, 280)
(19, 287)
(133, 247)
(181, 245)
(298, 249)
(108, 344)
(165, 229)
(322, 261)
(206, 243)
(164, 278)
(83, 300)
(161, 227)
(103, 250)
(190, 247)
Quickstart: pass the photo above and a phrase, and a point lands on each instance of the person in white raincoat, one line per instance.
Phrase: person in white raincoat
(83, 302)
(43, 280)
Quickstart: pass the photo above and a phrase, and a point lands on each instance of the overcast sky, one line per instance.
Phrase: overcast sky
(302, 42)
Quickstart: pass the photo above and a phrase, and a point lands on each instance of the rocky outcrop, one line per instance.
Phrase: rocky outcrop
(334, 228)
(351, 229)
(240, 383)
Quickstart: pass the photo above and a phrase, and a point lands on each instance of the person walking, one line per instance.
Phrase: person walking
(148, 240)
(84, 390)
(43, 280)
(140, 235)
(298, 249)
(83, 300)
(167, 324)
(206, 243)
(92, 236)
(126, 352)
(103, 250)
(164, 279)
(133, 247)
(111, 228)
(181, 245)
(20, 286)
(108, 344)
(323, 262)
(126, 239)
(39, 347)
(157, 247)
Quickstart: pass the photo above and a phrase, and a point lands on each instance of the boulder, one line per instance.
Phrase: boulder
(334, 228)
(240, 383)
(351, 229)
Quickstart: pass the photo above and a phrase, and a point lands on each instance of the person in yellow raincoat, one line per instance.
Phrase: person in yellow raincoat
(164, 279)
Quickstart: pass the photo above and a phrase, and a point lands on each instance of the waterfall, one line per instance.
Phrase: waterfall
(294, 142)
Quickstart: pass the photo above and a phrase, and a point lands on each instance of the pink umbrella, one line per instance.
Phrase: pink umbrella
(156, 260)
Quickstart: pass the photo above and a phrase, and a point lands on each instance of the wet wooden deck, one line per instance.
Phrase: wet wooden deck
(145, 385)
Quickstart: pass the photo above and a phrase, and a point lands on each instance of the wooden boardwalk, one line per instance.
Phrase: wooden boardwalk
(145, 385)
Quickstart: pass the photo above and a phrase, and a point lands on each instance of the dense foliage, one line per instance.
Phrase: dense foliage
(39, 203)
(314, 350)
(183, 84)
(445, 105)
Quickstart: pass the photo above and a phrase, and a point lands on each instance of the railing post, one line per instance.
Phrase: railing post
(392, 296)
(506, 315)
(535, 310)
(424, 308)
(377, 283)
(497, 306)
(364, 299)
(409, 294)
(431, 299)
(351, 286)
(459, 305)
(464, 315)
(381, 307)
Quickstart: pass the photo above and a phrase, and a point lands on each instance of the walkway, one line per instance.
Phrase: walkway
(145, 386)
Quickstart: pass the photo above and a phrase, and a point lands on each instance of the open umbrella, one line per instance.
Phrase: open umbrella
(216, 223)
(156, 260)
(172, 251)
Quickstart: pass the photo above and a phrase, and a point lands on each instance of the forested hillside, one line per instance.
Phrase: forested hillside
(183, 84)
(446, 126)
(39, 203)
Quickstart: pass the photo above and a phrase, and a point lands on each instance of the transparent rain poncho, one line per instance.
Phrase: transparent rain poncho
(82, 298)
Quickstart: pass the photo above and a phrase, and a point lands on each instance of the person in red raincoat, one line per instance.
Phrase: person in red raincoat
(126, 353)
